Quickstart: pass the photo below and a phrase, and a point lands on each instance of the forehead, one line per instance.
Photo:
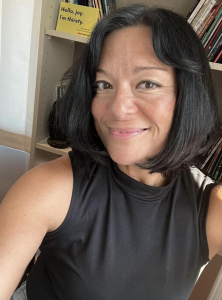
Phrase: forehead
(131, 32)
(130, 44)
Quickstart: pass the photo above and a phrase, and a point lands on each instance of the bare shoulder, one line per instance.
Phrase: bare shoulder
(47, 187)
(214, 222)
(37, 203)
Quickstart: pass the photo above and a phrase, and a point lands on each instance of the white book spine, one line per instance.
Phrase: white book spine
(204, 15)
(198, 7)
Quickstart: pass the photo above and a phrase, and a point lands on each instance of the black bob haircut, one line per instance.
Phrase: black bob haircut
(195, 123)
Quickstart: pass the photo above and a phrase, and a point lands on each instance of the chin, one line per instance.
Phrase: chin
(125, 160)
(128, 156)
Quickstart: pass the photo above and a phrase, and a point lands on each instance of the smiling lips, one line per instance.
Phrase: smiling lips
(126, 132)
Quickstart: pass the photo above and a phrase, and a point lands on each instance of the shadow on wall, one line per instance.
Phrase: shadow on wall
(13, 164)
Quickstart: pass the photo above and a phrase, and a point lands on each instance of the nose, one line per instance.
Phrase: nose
(123, 103)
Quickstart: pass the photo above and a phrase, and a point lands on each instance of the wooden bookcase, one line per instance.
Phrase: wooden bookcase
(57, 51)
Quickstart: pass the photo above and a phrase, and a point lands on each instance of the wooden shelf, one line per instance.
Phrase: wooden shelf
(67, 36)
(215, 66)
(43, 145)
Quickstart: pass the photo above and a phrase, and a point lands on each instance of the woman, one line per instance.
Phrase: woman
(140, 220)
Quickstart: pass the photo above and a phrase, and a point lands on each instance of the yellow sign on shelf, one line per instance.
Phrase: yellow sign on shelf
(77, 19)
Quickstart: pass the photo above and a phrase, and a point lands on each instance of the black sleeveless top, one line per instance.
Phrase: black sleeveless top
(124, 240)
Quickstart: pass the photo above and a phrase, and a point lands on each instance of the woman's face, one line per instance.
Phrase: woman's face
(135, 97)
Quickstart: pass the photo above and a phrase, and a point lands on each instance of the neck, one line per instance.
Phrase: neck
(155, 179)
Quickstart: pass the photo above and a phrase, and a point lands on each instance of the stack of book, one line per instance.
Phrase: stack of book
(105, 6)
(212, 161)
(206, 19)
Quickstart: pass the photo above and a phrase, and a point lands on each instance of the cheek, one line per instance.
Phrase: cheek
(169, 109)
(163, 112)
(166, 110)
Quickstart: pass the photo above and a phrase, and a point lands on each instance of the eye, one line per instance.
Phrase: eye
(101, 85)
(148, 85)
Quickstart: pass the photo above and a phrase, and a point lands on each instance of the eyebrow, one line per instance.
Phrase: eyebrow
(138, 69)
(141, 68)
(101, 71)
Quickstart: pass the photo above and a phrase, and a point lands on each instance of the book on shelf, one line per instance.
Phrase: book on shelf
(196, 10)
(71, 1)
(83, 2)
(210, 152)
(208, 34)
(192, 9)
(218, 59)
(218, 174)
(202, 14)
(211, 40)
(205, 19)
(208, 21)
(100, 8)
(105, 6)
(214, 38)
(215, 49)
(216, 164)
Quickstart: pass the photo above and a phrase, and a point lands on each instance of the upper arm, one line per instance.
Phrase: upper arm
(30, 209)
(214, 222)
